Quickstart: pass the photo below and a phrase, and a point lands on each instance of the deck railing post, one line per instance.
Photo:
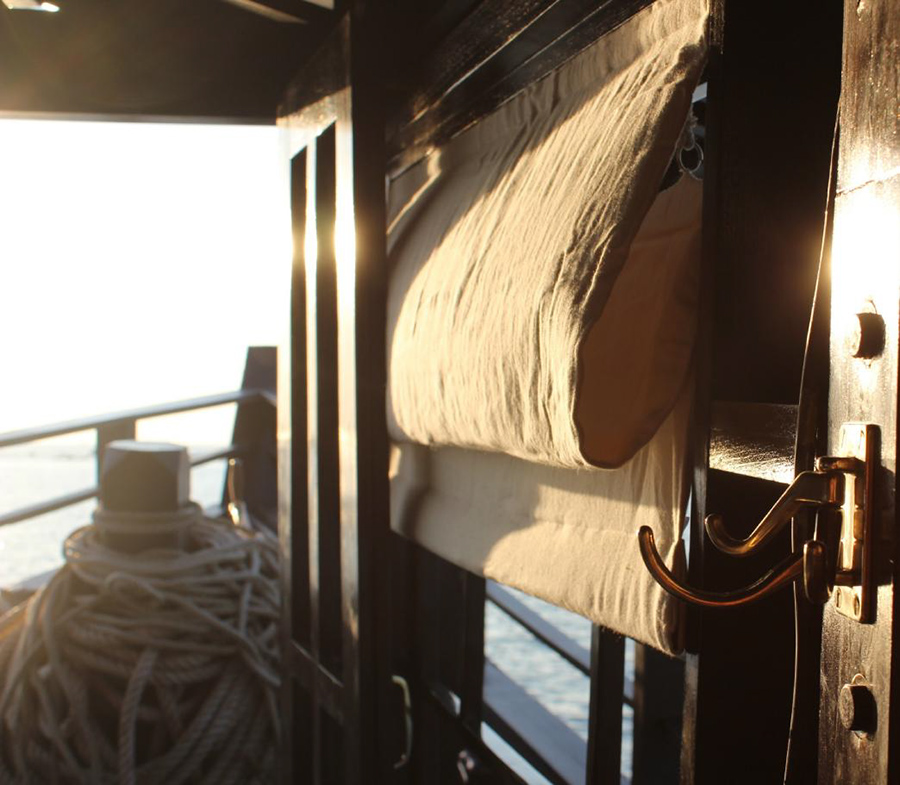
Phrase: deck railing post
(254, 437)
(123, 425)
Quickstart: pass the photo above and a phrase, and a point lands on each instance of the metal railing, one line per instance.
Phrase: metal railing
(538, 736)
(121, 425)
(545, 742)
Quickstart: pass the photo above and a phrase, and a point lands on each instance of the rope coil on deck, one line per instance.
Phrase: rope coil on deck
(156, 667)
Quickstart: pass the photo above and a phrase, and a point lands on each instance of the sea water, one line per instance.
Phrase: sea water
(35, 472)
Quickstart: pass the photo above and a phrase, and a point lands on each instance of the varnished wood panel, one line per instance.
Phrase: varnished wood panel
(755, 440)
(865, 276)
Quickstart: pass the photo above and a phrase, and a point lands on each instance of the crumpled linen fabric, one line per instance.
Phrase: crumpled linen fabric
(506, 245)
(541, 324)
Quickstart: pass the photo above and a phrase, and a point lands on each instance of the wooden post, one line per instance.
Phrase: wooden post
(863, 388)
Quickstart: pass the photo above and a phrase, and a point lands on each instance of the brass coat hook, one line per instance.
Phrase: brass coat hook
(845, 482)
(789, 569)
(809, 489)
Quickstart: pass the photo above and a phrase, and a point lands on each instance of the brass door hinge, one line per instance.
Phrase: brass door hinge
(854, 582)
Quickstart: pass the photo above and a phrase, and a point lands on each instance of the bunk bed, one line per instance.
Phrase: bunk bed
(386, 557)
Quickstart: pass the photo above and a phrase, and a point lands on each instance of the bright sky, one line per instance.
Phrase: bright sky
(137, 263)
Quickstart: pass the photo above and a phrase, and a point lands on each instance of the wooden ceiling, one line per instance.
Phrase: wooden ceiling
(187, 59)
(217, 60)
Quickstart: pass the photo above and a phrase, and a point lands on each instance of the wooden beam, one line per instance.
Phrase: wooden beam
(753, 439)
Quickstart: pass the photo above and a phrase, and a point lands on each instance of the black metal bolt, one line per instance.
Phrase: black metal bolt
(866, 339)
(857, 708)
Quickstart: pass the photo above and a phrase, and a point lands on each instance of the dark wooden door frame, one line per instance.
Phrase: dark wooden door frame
(773, 83)
(333, 449)
(864, 277)
(751, 239)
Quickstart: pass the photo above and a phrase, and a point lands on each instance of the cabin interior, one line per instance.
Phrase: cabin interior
(440, 432)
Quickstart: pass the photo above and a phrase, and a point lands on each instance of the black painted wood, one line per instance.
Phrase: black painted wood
(444, 630)
(323, 468)
(489, 27)
(317, 680)
(812, 428)
(404, 655)
(296, 702)
(473, 667)
(604, 754)
(771, 199)
(763, 213)
(425, 665)
(459, 743)
(864, 277)
(746, 654)
(490, 58)
(658, 705)
(296, 762)
(341, 90)
(362, 369)
(324, 460)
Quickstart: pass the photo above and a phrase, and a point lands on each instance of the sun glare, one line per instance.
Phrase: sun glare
(139, 261)
(866, 233)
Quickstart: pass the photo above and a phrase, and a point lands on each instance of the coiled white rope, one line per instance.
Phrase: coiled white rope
(158, 667)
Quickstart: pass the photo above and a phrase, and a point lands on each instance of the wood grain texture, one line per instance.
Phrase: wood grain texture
(756, 440)
(865, 277)
(491, 63)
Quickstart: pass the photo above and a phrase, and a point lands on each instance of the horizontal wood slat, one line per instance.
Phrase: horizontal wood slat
(754, 440)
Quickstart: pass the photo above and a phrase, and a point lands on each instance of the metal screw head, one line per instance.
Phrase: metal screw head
(866, 337)
(857, 708)
(471, 769)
